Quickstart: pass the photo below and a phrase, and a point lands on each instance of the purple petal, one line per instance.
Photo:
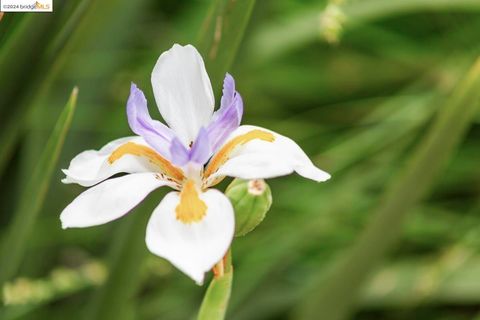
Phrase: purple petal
(228, 90)
(226, 119)
(179, 155)
(155, 133)
(201, 151)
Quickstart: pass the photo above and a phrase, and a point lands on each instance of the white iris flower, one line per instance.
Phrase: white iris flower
(193, 226)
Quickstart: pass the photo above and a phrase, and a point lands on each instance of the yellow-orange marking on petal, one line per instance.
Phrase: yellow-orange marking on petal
(191, 208)
(152, 156)
(222, 155)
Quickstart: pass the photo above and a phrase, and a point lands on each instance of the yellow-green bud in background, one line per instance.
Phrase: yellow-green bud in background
(251, 199)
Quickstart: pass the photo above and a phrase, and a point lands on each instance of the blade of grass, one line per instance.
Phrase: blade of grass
(34, 194)
(334, 297)
(221, 35)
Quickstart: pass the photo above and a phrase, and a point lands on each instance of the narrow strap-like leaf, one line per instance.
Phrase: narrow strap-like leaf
(33, 195)
(221, 36)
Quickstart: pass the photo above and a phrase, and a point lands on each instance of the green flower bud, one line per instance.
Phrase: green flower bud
(251, 200)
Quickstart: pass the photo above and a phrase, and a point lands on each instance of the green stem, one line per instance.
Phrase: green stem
(215, 302)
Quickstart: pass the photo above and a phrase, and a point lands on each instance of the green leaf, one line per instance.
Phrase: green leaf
(215, 302)
(34, 194)
(334, 298)
(221, 35)
(216, 298)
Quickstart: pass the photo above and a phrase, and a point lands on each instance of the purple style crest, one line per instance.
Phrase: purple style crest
(163, 139)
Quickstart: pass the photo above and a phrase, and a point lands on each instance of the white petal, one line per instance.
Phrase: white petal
(91, 166)
(258, 159)
(183, 91)
(196, 247)
(109, 200)
(255, 166)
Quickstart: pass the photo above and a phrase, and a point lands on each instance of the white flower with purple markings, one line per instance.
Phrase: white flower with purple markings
(193, 226)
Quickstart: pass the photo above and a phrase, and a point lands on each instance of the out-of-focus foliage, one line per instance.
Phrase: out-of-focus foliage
(357, 83)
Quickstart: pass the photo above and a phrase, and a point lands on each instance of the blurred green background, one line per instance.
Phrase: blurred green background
(382, 94)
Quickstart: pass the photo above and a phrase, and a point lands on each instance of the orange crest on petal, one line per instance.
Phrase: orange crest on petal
(223, 154)
(143, 151)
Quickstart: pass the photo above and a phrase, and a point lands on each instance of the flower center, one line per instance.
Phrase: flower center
(191, 208)
(139, 150)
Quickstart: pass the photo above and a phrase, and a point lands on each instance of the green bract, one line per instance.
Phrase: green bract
(251, 199)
